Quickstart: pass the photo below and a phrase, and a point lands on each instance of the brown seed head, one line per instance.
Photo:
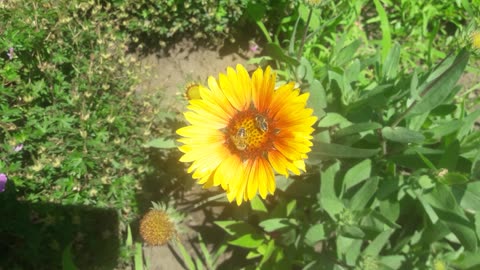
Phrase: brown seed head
(156, 228)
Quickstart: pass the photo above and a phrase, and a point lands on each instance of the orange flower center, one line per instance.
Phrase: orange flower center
(250, 134)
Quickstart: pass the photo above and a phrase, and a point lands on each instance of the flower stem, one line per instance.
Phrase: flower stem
(300, 51)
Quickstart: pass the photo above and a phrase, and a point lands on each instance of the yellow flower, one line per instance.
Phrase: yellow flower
(156, 228)
(476, 40)
(242, 130)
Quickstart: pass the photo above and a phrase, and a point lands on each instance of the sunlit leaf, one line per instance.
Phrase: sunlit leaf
(402, 135)
(322, 150)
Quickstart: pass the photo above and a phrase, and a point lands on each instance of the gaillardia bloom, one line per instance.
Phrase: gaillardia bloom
(242, 130)
(156, 228)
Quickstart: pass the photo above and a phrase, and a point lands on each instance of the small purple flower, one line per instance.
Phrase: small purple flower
(10, 53)
(18, 148)
(3, 182)
(254, 47)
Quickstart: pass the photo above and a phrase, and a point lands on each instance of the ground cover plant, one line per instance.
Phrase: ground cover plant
(362, 152)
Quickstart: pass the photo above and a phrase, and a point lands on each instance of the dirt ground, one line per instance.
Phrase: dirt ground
(186, 63)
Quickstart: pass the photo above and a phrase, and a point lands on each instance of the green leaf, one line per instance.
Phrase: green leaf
(442, 130)
(385, 26)
(235, 228)
(305, 70)
(352, 231)
(138, 257)
(468, 124)
(450, 158)
(393, 261)
(346, 54)
(267, 252)
(363, 196)
(469, 196)
(67, 258)
(274, 224)
(161, 143)
(318, 98)
(332, 119)
(256, 11)
(402, 135)
(327, 196)
(251, 241)
(257, 205)
(187, 259)
(442, 87)
(314, 234)
(448, 211)
(453, 178)
(275, 51)
(129, 241)
(378, 243)
(357, 174)
(357, 128)
(390, 67)
(467, 260)
(322, 150)
(291, 205)
(348, 248)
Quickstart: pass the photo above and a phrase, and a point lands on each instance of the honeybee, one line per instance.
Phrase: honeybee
(239, 139)
(261, 123)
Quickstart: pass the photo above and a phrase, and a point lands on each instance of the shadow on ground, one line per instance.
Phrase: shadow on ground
(37, 235)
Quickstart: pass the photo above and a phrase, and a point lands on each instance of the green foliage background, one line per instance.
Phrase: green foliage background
(393, 178)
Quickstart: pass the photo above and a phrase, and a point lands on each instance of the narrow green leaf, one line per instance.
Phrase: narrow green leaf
(327, 196)
(385, 26)
(267, 253)
(323, 150)
(257, 205)
(363, 195)
(332, 119)
(251, 241)
(129, 241)
(138, 257)
(235, 228)
(275, 51)
(291, 205)
(346, 54)
(468, 124)
(206, 254)
(448, 211)
(390, 67)
(67, 259)
(469, 196)
(453, 178)
(442, 87)
(378, 243)
(357, 174)
(402, 135)
(352, 231)
(274, 224)
(187, 259)
(357, 128)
